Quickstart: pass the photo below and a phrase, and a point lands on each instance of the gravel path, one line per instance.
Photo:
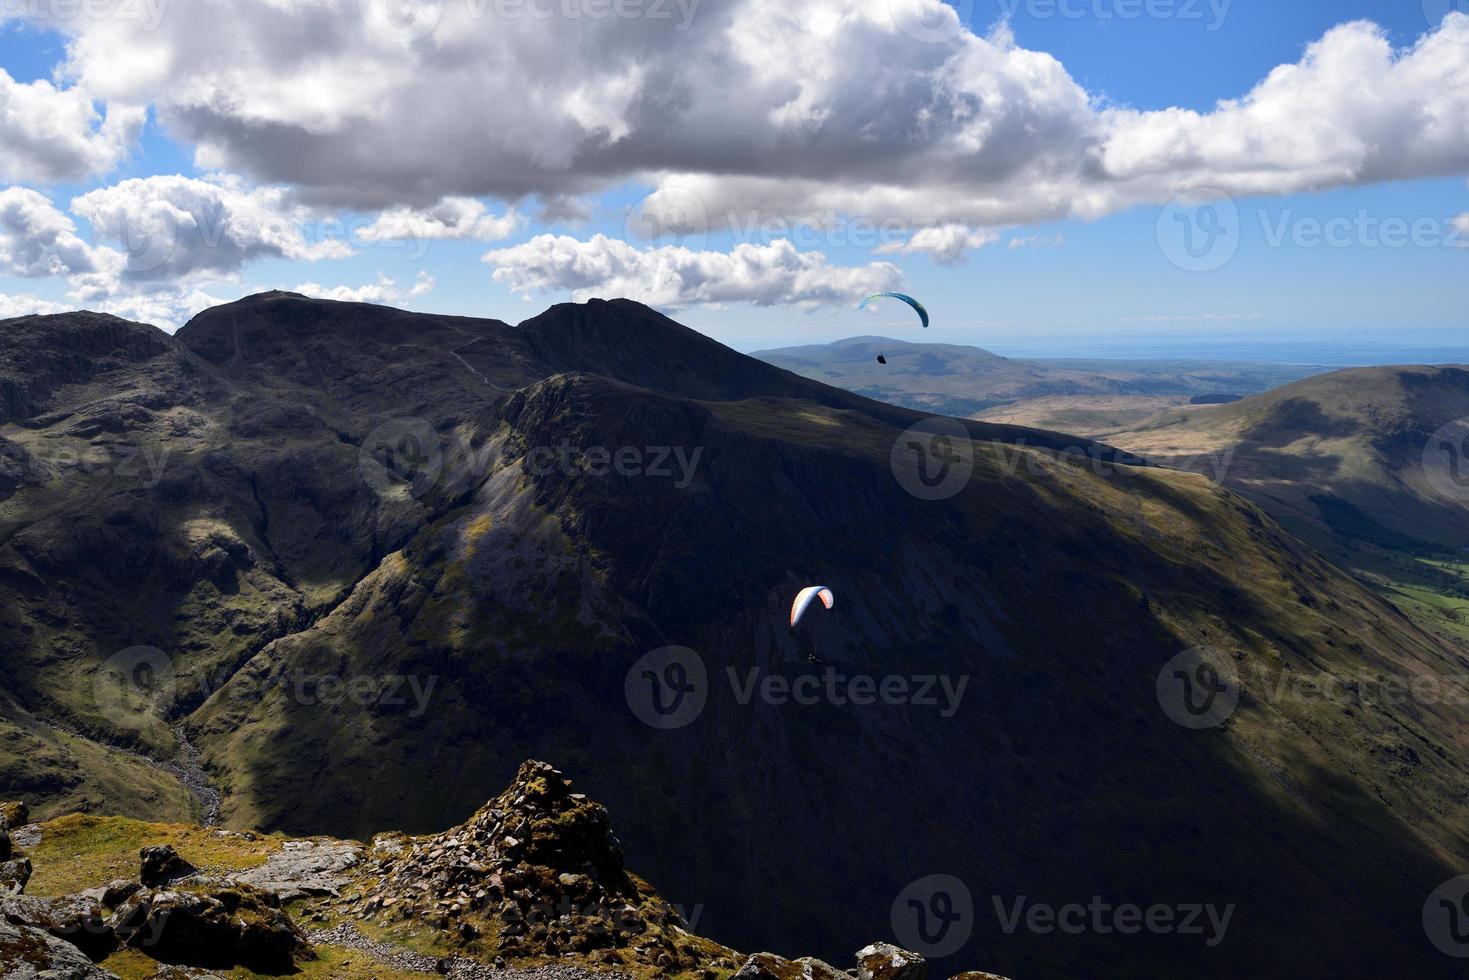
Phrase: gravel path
(346, 936)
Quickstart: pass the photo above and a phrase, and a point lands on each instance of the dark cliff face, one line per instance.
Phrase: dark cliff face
(511, 518)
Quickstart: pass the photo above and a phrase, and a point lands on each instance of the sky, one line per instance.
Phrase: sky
(1048, 176)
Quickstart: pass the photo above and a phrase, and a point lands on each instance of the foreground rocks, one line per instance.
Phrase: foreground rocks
(207, 924)
(28, 953)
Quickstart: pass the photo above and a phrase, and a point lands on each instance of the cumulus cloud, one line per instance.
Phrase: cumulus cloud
(27, 305)
(451, 218)
(50, 134)
(385, 290)
(176, 229)
(37, 240)
(837, 108)
(946, 244)
(672, 276)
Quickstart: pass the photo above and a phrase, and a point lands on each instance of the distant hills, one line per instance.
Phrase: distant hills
(365, 562)
(967, 381)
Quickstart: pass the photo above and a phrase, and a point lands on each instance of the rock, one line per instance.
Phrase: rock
(216, 926)
(28, 953)
(77, 919)
(118, 891)
(161, 865)
(768, 966)
(13, 815)
(884, 961)
(14, 875)
(977, 975)
(304, 868)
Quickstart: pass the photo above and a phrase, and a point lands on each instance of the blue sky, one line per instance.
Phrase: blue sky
(1357, 260)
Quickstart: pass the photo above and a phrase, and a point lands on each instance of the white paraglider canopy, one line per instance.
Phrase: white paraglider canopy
(805, 597)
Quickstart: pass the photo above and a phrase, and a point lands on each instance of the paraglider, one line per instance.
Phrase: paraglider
(917, 306)
(805, 597)
(882, 359)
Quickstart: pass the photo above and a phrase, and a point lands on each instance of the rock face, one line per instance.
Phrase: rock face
(28, 953)
(77, 919)
(161, 865)
(535, 872)
(212, 925)
(13, 815)
(14, 875)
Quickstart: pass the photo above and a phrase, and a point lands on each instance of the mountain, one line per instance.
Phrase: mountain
(967, 381)
(1362, 463)
(335, 569)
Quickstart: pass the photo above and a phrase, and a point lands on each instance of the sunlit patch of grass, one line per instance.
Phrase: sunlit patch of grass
(82, 851)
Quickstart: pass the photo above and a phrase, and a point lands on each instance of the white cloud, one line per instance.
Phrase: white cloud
(672, 276)
(177, 229)
(1038, 241)
(384, 291)
(49, 134)
(946, 244)
(28, 305)
(451, 218)
(37, 240)
(834, 107)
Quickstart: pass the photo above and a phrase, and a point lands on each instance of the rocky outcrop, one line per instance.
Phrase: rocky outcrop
(28, 953)
(13, 815)
(884, 961)
(14, 875)
(211, 924)
(161, 865)
(303, 868)
(768, 966)
(535, 872)
(77, 919)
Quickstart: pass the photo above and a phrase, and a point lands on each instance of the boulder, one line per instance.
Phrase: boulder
(13, 815)
(162, 865)
(884, 961)
(217, 925)
(14, 875)
(28, 953)
(77, 919)
(768, 966)
(304, 868)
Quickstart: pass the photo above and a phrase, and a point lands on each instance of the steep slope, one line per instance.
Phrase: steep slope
(1363, 463)
(438, 546)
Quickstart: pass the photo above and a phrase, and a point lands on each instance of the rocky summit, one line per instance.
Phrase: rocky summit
(531, 887)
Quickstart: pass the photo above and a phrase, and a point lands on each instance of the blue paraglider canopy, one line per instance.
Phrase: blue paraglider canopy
(917, 306)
